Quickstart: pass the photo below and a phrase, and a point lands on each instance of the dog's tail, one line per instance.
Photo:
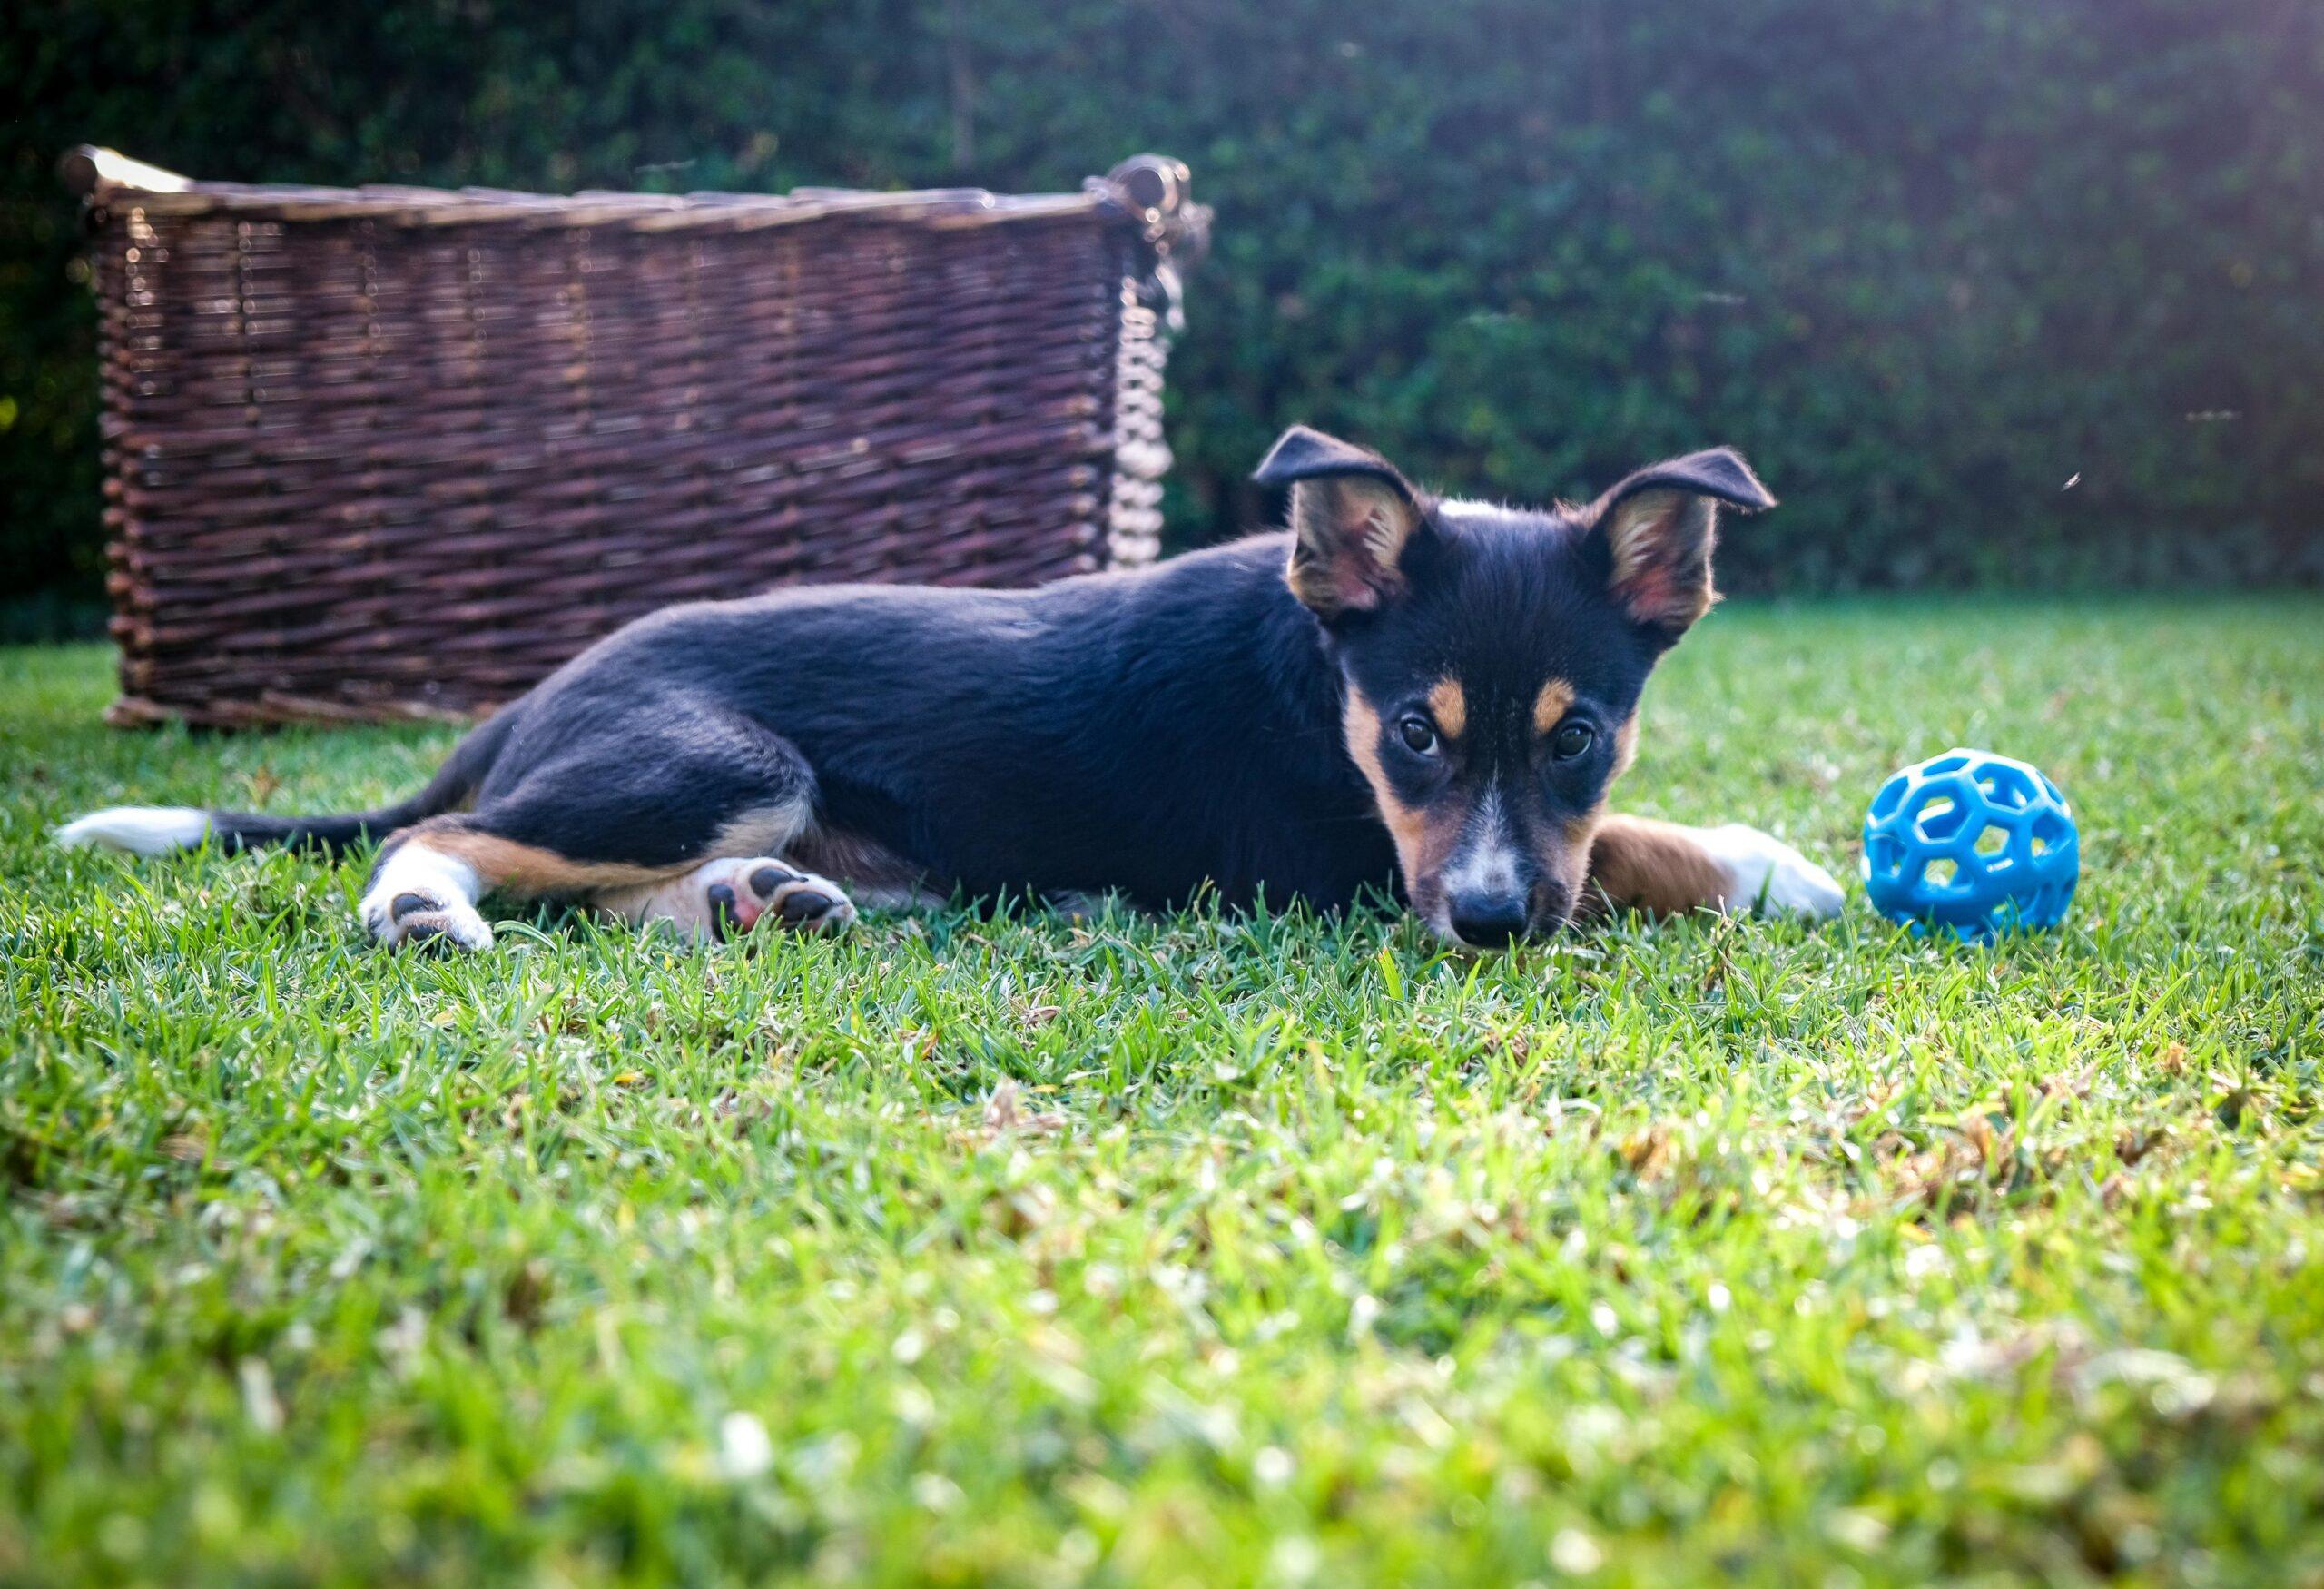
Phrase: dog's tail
(156, 829)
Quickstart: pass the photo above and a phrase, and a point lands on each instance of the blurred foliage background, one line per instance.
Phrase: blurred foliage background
(1926, 264)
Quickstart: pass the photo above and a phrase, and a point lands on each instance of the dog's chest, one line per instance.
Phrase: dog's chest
(1163, 838)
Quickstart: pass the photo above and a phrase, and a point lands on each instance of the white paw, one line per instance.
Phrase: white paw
(1769, 874)
(737, 894)
(418, 897)
(425, 919)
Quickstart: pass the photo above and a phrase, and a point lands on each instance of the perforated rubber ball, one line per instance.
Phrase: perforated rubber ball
(1970, 842)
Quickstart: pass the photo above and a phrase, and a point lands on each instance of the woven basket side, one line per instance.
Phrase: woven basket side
(362, 469)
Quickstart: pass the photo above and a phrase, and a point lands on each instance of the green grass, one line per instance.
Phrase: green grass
(1199, 1249)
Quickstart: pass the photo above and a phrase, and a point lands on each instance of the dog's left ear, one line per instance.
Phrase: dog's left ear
(1352, 516)
(1658, 526)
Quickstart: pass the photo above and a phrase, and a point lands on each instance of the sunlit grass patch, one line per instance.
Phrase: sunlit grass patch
(1006, 1246)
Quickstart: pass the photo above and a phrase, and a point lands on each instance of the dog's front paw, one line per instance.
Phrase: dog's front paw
(1768, 876)
(422, 920)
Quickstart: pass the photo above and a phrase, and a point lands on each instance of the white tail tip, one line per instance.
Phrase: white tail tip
(144, 830)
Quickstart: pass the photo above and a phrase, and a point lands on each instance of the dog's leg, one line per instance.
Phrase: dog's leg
(735, 893)
(676, 820)
(1660, 867)
(426, 882)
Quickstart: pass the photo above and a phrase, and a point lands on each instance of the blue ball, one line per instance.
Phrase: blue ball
(1972, 842)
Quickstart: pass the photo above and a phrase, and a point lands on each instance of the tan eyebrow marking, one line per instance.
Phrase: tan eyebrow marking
(1551, 705)
(1450, 703)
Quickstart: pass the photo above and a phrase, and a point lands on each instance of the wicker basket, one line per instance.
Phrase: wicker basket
(397, 452)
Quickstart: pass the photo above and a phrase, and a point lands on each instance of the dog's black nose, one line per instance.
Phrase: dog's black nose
(1488, 921)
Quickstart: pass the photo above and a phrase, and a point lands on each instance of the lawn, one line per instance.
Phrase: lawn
(981, 1248)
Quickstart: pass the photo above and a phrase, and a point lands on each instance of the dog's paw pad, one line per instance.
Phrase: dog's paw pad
(743, 894)
(812, 906)
(1769, 876)
(765, 879)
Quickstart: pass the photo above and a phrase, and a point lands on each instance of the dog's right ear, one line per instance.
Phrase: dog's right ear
(1352, 517)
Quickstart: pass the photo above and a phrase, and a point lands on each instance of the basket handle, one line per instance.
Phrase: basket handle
(93, 173)
(1158, 193)
(1152, 184)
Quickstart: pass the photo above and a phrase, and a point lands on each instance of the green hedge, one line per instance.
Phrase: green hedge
(1925, 263)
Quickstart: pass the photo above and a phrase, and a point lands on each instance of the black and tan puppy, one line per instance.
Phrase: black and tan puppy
(1427, 696)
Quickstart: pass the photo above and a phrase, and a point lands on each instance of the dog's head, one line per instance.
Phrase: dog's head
(1491, 658)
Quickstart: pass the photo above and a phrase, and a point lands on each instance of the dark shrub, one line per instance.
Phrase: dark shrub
(1925, 264)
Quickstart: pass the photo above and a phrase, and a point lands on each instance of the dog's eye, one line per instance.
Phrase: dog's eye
(1419, 735)
(1571, 739)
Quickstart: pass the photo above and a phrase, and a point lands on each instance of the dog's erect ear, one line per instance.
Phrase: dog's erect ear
(1352, 516)
(1658, 526)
